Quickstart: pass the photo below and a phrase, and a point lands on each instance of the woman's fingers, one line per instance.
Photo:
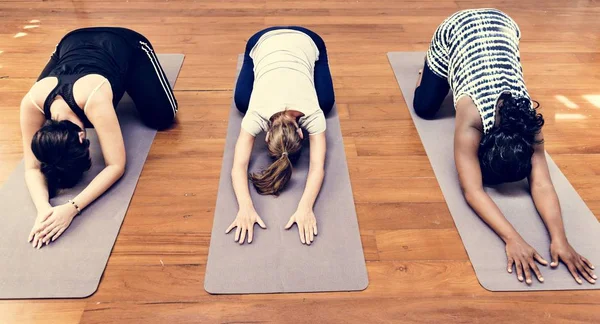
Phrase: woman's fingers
(519, 267)
(573, 272)
(238, 229)
(584, 273)
(58, 234)
(47, 230)
(230, 227)
(290, 223)
(527, 270)
(315, 229)
(539, 258)
(588, 263)
(31, 234)
(312, 234)
(537, 271)
(509, 266)
(301, 233)
(554, 262)
(45, 224)
(260, 222)
(243, 237)
(48, 236)
(250, 233)
(35, 240)
(39, 243)
(307, 235)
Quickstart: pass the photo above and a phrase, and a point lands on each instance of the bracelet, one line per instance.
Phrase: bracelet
(76, 207)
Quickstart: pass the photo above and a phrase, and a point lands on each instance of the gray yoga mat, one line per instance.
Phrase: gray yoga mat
(485, 249)
(72, 266)
(276, 261)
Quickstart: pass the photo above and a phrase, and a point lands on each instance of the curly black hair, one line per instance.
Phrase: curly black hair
(63, 157)
(505, 151)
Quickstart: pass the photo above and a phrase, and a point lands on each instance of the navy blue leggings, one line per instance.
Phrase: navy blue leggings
(430, 94)
(322, 75)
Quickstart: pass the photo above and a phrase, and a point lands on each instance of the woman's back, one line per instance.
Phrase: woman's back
(82, 62)
(283, 70)
(478, 52)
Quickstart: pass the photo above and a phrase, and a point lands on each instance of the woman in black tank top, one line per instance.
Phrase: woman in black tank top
(79, 88)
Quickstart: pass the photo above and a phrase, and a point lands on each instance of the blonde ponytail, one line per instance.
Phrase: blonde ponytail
(284, 146)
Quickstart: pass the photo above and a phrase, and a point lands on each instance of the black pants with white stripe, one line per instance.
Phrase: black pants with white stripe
(127, 59)
(147, 84)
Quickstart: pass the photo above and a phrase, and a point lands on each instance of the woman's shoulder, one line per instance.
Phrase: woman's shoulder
(40, 90)
(467, 113)
(314, 122)
(92, 90)
(254, 123)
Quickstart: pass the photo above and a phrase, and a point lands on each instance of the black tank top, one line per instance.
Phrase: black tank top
(101, 50)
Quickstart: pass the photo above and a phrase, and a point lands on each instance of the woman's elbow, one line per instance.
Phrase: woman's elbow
(238, 170)
(119, 170)
(317, 170)
(472, 195)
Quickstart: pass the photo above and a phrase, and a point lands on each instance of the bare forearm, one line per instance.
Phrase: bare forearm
(36, 183)
(548, 206)
(239, 178)
(102, 182)
(313, 187)
(487, 210)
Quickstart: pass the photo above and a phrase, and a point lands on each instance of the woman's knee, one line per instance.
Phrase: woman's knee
(424, 107)
(160, 123)
(326, 103)
(159, 119)
(242, 101)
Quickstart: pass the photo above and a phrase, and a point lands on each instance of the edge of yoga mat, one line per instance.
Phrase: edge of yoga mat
(481, 243)
(279, 251)
(89, 282)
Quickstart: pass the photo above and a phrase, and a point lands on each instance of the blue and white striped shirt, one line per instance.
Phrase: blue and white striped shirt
(477, 51)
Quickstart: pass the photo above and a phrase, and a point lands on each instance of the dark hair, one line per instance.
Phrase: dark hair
(285, 146)
(505, 151)
(62, 156)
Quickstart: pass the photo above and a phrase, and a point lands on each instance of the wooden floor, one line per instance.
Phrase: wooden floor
(418, 268)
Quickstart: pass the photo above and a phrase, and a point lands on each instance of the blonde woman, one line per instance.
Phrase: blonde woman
(284, 87)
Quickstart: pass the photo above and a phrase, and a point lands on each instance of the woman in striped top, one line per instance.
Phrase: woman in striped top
(498, 136)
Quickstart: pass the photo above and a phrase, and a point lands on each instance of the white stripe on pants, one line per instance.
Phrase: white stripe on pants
(161, 76)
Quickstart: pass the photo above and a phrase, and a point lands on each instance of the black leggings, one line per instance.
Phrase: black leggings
(142, 76)
(430, 94)
(322, 75)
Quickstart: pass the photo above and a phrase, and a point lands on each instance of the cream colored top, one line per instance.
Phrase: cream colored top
(284, 62)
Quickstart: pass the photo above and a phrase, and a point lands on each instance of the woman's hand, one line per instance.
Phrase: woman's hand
(523, 257)
(307, 224)
(561, 250)
(244, 223)
(53, 225)
(41, 217)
